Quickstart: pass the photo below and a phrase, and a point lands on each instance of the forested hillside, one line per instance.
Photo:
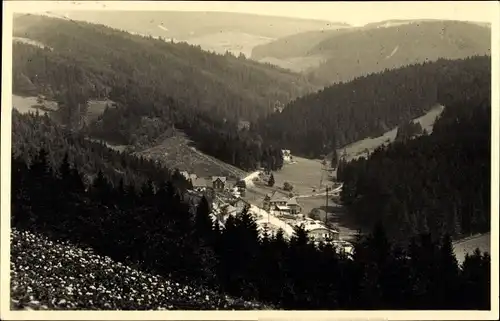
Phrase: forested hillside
(156, 86)
(31, 132)
(349, 53)
(93, 60)
(175, 244)
(435, 184)
(368, 106)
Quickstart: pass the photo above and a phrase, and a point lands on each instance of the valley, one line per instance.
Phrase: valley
(219, 161)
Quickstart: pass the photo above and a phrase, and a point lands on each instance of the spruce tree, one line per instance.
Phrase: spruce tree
(271, 181)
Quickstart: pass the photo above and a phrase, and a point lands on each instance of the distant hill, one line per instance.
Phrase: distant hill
(341, 55)
(216, 31)
(102, 58)
(155, 86)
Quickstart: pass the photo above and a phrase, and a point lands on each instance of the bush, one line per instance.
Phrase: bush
(287, 187)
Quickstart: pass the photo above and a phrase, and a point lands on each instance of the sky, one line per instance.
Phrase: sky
(354, 13)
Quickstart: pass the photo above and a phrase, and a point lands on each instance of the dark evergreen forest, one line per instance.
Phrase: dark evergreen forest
(437, 183)
(30, 132)
(315, 124)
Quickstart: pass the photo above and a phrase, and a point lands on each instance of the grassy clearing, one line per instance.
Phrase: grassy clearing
(30, 104)
(359, 148)
(232, 41)
(296, 64)
(96, 108)
(468, 245)
(25, 105)
(176, 152)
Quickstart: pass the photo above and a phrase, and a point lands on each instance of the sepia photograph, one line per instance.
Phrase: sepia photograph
(287, 158)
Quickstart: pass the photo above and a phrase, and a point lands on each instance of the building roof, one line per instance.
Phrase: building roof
(241, 200)
(292, 201)
(276, 197)
(282, 208)
(221, 178)
(317, 225)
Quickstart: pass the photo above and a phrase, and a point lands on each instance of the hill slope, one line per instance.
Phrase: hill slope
(341, 114)
(348, 53)
(96, 59)
(217, 31)
(438, 183)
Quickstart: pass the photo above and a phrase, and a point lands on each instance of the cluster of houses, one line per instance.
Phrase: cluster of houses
(277, 210)
(217, 184)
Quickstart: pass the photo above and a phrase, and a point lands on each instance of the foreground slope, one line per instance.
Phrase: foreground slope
(342, 55)
(49, 274)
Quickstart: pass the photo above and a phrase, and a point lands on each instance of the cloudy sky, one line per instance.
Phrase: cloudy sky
(356, 13)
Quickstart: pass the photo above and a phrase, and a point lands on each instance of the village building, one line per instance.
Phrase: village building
(240, 204)
(218, 183)
(318, 232)
(294, 206)
(281, 205)
(200, 185)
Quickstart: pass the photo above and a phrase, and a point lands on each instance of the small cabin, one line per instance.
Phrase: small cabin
(219, 183)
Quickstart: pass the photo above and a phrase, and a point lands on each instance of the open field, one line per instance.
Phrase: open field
(232, 41)
(96, 108)
(28, 104)
(468, 245)
(305, 175)
(176, 152)
(296, 64)
(358, 149)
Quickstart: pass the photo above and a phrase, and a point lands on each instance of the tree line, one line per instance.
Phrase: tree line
(437, 183)
(315, 124)
(153, 229)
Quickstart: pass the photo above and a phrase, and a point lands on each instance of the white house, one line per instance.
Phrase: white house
(317, 231)
(287, 156)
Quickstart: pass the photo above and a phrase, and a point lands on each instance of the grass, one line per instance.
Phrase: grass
(231, 41)
(29, 104)
(468, 245)
(359, 148)
(296, 64)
